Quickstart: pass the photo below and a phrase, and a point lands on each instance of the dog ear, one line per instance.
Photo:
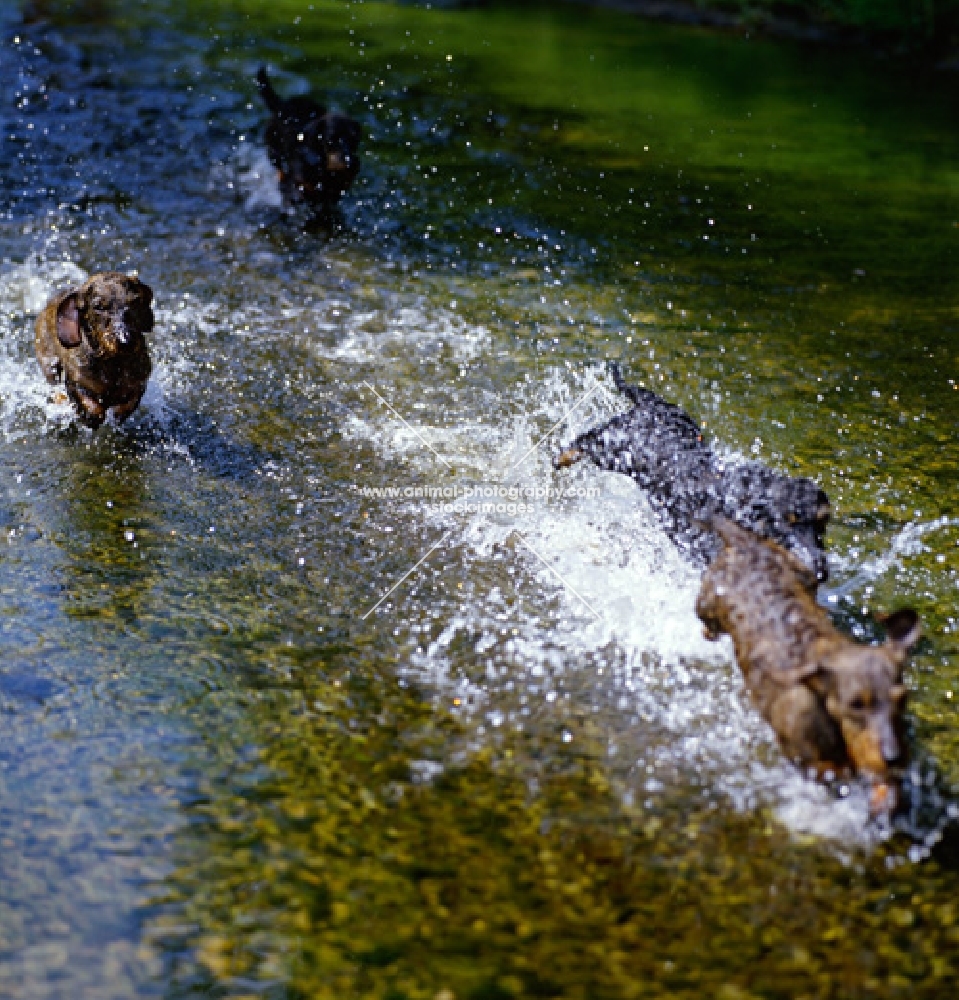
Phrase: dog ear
(810, 672)
(68, 321)
(902, 629)
(145, 290)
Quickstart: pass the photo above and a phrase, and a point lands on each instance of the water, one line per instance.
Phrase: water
(246, 751)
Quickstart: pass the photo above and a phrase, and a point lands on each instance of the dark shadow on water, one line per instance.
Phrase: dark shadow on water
(327, 221)
(925, 823)
(26, 687)
(192, 436)
(180, 434)
(946, 852)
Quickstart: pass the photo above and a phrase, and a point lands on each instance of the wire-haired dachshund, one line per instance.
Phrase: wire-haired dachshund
(834, 704)
(662, 448)
(313, 150)
(91, 339)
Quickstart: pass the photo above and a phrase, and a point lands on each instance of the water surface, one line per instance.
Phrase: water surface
(244, 754)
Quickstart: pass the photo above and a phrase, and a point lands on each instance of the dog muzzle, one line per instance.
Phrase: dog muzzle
(337, 161)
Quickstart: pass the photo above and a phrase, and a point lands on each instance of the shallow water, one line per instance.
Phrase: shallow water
(244, 753)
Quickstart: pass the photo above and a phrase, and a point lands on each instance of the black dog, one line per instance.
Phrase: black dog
(313, 150)
(662, 448)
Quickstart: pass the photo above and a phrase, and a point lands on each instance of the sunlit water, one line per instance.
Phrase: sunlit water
(271, 730)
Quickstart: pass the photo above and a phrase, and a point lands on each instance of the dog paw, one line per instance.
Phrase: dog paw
(882, 799)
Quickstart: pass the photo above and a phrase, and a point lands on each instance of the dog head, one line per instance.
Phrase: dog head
(341, 138)
(863, 691)
(325, 160)
(791, 511)
(314, 150)
(799, 511)
(110, 313)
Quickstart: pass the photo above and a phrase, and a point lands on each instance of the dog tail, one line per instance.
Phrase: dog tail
(632, 392)
(270, 97)
(568, 457)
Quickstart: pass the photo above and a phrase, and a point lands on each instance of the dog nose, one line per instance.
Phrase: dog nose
(814, 558)
(889, 747)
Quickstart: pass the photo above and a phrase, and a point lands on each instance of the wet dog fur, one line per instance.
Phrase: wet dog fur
(660, 446)
(91, 338)
(313, 150)
(835, 705)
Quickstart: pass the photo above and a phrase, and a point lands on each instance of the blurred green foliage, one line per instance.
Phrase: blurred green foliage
(909, 21)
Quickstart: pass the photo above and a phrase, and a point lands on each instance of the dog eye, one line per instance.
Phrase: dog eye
(858, 704)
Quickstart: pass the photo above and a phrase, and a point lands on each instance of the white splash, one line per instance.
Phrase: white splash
(598, 574)
(252, 176)
(26, 396)
(370, 336)
(26, 288)
(905, 543)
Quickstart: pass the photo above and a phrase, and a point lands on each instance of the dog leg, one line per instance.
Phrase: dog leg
(123, 410)
(89, 409)
(807, 733)
(708, 605)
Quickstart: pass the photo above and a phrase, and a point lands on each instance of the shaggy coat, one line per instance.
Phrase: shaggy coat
(92, 340)
(835, 705)
(662, 448)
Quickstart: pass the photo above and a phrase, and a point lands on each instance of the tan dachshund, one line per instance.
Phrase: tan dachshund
(91, 339)
(835, 705)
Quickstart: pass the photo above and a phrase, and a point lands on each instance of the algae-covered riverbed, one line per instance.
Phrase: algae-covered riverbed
(245, 751)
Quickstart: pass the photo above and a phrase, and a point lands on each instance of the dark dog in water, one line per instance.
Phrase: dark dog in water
(835, 705)
(91, 339)
(662, 448)
(313, 150)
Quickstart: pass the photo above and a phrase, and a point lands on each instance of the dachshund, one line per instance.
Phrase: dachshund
(314, 150)
(662, 448)
(835, 705)
(91, 338)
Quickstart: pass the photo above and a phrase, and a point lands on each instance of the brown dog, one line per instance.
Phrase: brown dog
(835, 705)
(91, 339)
